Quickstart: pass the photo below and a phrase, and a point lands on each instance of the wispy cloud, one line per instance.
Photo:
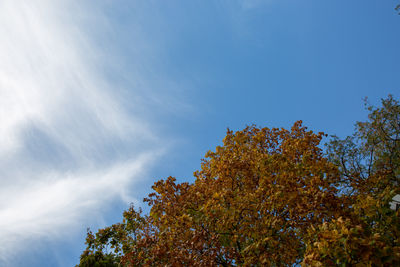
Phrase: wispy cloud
(67, 143)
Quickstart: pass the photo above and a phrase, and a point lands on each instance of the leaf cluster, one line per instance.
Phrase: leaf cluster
(271, 197)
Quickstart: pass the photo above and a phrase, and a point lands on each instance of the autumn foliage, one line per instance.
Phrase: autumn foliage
(271, 197)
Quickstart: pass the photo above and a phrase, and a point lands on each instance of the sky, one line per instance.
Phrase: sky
(100, 99)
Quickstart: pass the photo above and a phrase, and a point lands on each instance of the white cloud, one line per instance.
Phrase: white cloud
(56, 200)
(66, 142)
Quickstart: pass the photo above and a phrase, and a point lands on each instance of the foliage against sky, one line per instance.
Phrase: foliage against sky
(101, 98)
(271, 197)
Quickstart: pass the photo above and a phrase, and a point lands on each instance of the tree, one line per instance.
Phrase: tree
(369, 164)
(271, 197)
(252, 202)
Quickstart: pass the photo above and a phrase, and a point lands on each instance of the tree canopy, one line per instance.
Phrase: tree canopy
(271, 197)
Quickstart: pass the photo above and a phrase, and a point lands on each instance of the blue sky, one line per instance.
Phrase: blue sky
(99, 99)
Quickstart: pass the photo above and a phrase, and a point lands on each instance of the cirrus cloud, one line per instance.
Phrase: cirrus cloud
(67, 142)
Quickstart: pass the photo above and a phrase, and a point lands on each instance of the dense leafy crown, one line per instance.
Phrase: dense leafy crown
(271, 197)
